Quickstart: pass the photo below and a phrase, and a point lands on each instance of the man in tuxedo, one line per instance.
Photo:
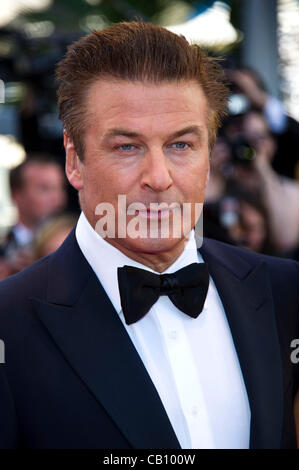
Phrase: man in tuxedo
(125, 337)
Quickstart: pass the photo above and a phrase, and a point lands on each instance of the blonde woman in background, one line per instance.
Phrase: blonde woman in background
(52, 234)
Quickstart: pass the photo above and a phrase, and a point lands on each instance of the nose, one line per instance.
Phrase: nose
(156, 171)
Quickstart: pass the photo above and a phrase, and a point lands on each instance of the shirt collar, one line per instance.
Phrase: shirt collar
(104, 258)
(23, 234)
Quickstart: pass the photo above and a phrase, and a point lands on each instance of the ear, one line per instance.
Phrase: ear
(73, 164)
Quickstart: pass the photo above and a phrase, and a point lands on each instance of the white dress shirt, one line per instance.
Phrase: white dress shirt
(23, 235)
(192, 362)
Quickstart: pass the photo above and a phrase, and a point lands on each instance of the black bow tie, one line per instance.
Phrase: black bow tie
(139, 289)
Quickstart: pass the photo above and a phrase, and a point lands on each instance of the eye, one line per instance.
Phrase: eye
(126, 147)
(180, 145)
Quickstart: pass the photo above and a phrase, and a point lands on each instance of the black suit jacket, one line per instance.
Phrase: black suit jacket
(73, 379)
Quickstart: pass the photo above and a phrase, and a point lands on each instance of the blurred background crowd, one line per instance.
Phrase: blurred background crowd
(252, 199)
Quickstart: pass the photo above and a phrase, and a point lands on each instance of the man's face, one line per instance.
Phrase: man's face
(43, 192)
(148, 142)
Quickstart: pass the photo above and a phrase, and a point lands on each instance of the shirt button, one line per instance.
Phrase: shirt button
(194, 410)
(173, 334)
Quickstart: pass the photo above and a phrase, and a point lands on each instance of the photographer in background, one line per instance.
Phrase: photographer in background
(280, 194)
(242, 163)
(250, 92)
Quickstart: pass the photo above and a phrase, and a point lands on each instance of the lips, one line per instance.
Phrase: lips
(155, 214)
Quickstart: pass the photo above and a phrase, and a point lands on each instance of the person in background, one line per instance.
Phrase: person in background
(246, 219)
(38, 191)
(248, 84)
(220, 162)
(4, 271)
(255, 227)
(279, 194)
(241, 161)
(50, 235)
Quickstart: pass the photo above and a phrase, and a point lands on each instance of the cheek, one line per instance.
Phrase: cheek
(99, 186)
(34, 198)
(195, 179)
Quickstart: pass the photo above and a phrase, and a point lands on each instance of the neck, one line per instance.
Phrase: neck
(26, 222)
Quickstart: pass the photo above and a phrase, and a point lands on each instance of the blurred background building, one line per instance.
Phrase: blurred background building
(253, 195)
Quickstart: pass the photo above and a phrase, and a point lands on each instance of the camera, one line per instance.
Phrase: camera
(242, 151)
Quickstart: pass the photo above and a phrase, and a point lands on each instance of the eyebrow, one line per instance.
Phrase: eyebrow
(121, 132)
(197, 130)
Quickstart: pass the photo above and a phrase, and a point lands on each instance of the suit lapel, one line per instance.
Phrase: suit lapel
(245, 292)
(82, 321)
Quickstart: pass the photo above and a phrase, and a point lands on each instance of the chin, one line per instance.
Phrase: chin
(151, 245)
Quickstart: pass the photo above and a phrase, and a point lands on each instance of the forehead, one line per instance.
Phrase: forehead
(125, 102)
(37, 171)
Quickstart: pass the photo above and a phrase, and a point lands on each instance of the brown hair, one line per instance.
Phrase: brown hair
(134, 51)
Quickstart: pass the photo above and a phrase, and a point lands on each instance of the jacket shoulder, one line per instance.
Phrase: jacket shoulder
(220, 248)
(32, 281)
